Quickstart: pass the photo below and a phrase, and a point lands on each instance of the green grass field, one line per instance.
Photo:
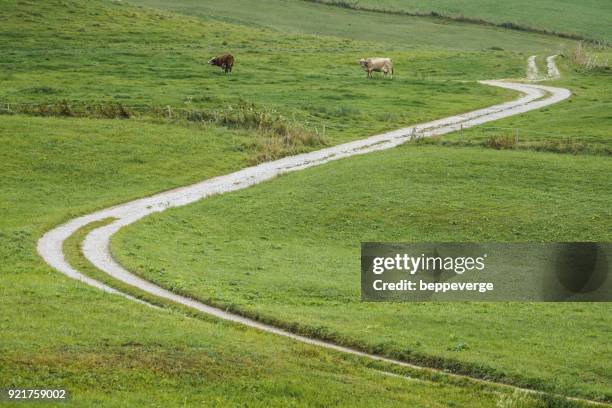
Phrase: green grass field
(590, 18)
(288, 252)
(156, 59)
(397, 32)
(108, 351)
(582, 125)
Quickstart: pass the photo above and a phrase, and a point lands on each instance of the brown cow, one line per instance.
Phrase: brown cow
(225, 62)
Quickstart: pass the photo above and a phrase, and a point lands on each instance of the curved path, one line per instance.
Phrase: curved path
(553, 71)
(532, 69)
(533, 73)
(96, 244)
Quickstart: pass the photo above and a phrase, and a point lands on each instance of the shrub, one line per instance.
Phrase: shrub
(275, 135)
(588, 61)
(77, 109)
(518, 399)
(500, 142)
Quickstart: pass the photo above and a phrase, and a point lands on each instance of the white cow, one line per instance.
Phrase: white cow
(377, 64)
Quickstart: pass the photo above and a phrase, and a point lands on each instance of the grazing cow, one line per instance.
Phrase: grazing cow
(377, 64)
(225, 62)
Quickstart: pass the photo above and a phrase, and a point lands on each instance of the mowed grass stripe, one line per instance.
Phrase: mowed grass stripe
(399, 32)
(589, 19)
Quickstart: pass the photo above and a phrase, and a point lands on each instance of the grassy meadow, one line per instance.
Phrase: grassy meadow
(579, 126)
(114, 53)
(84, 124)
(108, 351)
(588, 18)
(428, 52)
(287, 252)
(399, 32)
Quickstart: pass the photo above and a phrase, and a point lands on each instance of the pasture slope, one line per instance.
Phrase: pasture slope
(96, 245)
(310, 305)
(72, 72)
(69, 68)
(443, 53)
(566, 16)
(400, 33)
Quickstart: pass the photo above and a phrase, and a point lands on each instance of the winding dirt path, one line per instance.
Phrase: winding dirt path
(533, 73)
(532, 69)
(96, 244)
(553, 71)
